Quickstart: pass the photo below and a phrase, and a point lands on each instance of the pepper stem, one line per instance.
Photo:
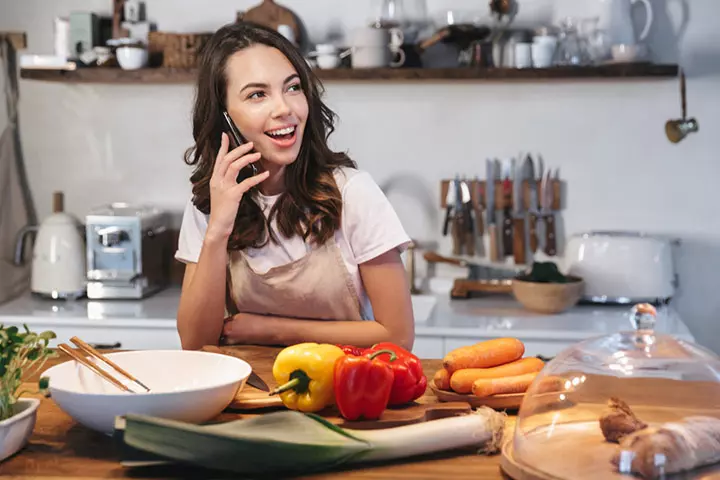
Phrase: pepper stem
(299, 381)
(393, 356)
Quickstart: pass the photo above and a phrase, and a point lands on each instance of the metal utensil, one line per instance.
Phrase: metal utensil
(449, 202)
(254, 380)
(533, 209)
(468, 233)
(476, 271)
(480, 228)
(547, 214)
(458, 219)
(507, 224)
(491, 219)
(518, 217)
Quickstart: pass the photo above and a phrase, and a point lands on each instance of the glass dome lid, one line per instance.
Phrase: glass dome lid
(631, 403)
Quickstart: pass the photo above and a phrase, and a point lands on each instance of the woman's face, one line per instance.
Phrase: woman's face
(267, 104)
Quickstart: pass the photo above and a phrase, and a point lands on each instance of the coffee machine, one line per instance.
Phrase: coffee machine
(128, 251)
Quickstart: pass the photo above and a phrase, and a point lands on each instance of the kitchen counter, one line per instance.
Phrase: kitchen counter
(494, 315)
(59, 447)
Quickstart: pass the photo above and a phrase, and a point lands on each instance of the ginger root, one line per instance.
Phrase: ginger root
(673, 447)
(619, 420)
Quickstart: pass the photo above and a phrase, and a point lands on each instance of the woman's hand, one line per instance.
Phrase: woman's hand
(225, 192)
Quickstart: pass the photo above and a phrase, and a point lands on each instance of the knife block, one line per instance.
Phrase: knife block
(478, 191)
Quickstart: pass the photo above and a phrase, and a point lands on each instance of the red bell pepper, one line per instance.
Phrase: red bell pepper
(352, 350)
(409, 381)
(362, 385)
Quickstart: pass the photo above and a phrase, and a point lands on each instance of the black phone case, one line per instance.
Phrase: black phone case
(238, 140)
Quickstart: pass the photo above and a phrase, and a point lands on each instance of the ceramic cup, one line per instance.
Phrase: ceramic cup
(377, 48)
(523, 55)
(131, 58)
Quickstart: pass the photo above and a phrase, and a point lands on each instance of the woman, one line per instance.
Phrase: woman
(304, 250)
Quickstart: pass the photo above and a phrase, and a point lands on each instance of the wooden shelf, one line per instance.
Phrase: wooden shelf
(170, 75)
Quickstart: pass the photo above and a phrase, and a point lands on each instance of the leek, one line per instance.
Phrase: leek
(294, 442)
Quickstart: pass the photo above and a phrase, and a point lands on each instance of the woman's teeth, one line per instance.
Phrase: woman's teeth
(282, 132)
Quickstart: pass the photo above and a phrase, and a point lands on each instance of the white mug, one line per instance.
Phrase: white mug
(377, 47)
(523, 55)
(377, 57)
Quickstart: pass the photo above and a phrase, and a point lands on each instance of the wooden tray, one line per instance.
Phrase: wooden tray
(509, 401)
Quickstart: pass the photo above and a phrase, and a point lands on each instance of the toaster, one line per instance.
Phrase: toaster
(128, 251)
(623, 267)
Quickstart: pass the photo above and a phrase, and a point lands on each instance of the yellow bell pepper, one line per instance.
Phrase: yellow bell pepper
(305, 374)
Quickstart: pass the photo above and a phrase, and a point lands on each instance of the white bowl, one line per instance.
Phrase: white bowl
(131, 58)
(185, 385)
(15, 431)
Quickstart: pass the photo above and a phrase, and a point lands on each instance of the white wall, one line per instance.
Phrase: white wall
(102, 143)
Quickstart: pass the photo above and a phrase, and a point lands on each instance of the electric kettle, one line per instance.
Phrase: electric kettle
(58, 260)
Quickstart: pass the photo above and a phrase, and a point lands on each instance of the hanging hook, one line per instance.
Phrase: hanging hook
(677, 130)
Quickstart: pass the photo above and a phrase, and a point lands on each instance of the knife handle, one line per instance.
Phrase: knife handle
(519, 240)
(457, 234)
(446, 223)
(507, 233)
(493, 243)
(550, 246)
(470, 243)
(479, 221)
(532, 223)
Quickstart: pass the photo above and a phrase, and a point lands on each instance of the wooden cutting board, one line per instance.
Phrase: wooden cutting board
(250, 400)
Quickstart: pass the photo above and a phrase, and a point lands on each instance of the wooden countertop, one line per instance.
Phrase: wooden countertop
(59, 447)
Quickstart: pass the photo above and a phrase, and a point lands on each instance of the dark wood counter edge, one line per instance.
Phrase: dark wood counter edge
(180, 76)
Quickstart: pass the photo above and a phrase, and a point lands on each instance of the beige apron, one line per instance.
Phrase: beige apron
(317, 286)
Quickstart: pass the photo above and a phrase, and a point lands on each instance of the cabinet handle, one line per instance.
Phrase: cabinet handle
(101, 346)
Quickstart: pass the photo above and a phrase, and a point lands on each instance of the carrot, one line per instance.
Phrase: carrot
(461, 381)
(490, 353)
(442, 379)
(485, 387)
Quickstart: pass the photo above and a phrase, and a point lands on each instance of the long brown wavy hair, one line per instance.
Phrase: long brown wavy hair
(311, 204)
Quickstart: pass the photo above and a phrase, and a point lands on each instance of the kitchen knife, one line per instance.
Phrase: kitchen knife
(480, 228)
(518, 217)
(458, 219)
(468, 233)
(507, 221)
(533, 206)
(257, 382)
(547, 214)
(449, 202)
(491, 219)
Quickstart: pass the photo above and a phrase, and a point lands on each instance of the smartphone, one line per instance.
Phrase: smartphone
(238, 140)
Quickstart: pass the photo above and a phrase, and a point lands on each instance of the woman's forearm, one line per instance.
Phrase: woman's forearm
(202, 304)
(269, 330)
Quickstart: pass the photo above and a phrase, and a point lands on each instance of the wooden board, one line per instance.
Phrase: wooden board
(250, 398)
(509, 401)
(590, 458)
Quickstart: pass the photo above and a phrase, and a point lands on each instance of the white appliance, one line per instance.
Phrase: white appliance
(623, 267)
(58, 260)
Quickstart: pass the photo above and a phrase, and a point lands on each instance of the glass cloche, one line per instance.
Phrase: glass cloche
(632, 403)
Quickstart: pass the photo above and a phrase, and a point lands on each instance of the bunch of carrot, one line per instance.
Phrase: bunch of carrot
(488, 368)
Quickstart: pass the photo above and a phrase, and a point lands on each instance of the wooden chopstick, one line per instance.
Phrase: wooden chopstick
(91, 351)
(65, 348)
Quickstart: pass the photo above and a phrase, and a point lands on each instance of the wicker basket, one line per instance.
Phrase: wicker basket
(176, 50)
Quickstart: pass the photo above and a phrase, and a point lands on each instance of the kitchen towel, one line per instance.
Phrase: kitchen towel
(16, 207)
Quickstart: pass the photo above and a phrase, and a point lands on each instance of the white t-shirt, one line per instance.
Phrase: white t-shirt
(369, 228)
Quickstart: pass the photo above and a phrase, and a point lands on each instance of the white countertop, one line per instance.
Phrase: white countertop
(495, 316)
(500, 316)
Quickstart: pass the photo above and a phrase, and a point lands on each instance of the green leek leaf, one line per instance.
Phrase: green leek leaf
(281, 442)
